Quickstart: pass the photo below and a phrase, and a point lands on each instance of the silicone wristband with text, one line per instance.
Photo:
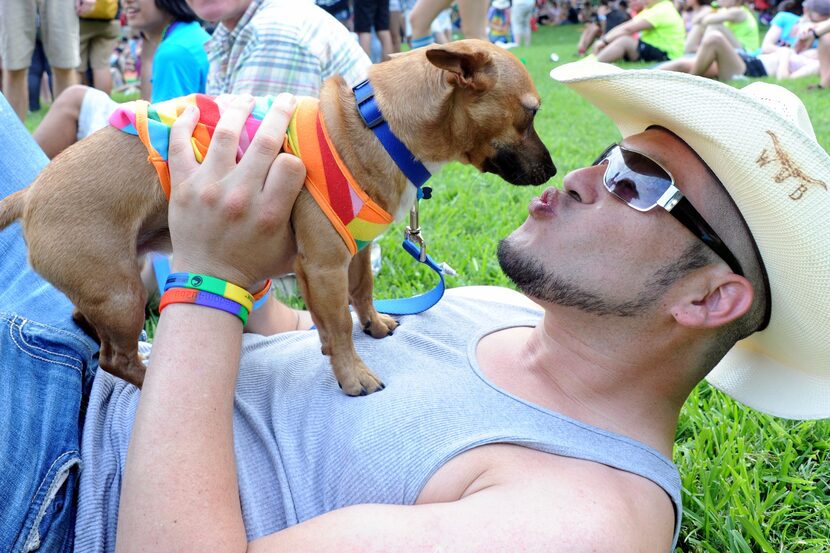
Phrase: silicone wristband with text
(205, 299)
(213, 285)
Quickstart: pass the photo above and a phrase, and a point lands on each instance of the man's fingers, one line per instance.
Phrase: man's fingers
(224, 144)
(180, 157)
(284, 181)
(257, 161)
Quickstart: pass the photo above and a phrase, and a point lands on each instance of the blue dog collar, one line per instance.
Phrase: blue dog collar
(369, 111)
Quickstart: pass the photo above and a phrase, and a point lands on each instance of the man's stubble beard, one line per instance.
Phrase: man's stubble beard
(534, 280)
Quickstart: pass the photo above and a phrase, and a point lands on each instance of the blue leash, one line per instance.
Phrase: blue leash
(417, 174)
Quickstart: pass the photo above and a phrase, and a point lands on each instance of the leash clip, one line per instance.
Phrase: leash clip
(413, 233)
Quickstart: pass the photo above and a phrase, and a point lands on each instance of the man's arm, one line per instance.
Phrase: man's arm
(230, 221)
(528, 515)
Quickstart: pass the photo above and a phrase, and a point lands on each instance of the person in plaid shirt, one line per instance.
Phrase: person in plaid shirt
(263, 47)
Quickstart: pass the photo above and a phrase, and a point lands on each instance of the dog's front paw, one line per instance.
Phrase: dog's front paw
(380, 326)
(359, 381)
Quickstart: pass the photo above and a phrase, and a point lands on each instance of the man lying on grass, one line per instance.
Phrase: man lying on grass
(505, 424)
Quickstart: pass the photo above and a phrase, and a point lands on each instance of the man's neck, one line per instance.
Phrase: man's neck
(605, 384)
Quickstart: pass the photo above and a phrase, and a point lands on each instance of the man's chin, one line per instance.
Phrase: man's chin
(517, 266)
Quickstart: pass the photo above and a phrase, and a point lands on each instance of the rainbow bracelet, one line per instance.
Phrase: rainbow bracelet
(213, 285)
(206, 299)
(261, 296)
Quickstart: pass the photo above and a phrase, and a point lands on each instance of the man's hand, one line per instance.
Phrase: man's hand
(227, 219)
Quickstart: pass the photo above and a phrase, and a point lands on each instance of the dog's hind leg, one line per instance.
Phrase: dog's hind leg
(119, 321)
(115, 317)
(361, 283)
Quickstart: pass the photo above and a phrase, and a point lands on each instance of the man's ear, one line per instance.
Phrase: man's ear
(466, 66)
(717, 302)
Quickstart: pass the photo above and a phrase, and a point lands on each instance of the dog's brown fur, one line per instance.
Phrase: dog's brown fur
(87, 228)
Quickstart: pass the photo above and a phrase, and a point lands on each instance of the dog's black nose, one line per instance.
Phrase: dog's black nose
(550, 169)
(541, 172)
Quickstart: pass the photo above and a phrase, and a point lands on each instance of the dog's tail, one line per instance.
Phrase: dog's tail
(11, 208)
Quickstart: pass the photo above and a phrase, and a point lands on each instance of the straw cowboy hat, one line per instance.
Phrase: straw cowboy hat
(759, 142)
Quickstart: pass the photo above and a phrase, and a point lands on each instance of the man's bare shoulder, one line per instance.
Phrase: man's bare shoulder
(578, 505)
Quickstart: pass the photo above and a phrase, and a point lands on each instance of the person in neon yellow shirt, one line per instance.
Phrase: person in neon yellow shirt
(662, 35)
(734, 20)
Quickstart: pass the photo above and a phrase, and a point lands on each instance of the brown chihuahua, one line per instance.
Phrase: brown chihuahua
(467, 101)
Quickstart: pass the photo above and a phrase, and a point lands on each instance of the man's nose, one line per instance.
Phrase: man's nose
(584, 185)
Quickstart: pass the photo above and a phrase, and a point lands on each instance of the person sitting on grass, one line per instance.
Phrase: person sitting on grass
(609, 14)
(717, 57)
(173, 63)
(661, 31)
(734, 20)
(508, 421)
(693, 11)
(819, 32)
(783, 27)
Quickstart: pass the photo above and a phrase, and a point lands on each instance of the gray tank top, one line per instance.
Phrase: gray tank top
(304, 448)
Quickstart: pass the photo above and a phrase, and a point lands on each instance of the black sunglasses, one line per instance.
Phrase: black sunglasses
(644, 184)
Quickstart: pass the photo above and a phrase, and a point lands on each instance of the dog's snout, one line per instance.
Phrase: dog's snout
(520, 168)
(548, 169)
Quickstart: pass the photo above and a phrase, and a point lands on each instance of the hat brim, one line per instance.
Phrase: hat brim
(778, 176)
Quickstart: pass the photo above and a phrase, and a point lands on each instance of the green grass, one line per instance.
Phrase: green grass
(750, 482)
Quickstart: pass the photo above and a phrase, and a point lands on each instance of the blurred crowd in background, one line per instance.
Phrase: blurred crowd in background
(46, 46)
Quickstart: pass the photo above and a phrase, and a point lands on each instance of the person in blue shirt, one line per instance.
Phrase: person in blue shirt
(173, 63)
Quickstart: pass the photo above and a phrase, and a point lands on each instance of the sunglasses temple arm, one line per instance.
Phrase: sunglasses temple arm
(684, 212)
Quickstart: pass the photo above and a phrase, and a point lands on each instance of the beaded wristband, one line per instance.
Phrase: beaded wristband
(206, 299)
(213, 285)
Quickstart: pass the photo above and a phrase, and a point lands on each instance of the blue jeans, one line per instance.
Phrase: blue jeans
(47, 365)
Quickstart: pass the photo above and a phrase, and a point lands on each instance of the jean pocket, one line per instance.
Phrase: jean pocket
(41, 388)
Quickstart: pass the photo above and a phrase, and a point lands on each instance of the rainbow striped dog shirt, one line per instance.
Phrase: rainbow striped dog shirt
(356, 217)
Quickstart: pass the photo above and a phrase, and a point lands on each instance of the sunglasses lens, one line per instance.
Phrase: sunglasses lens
(634, 178)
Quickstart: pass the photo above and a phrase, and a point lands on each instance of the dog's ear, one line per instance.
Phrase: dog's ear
(467, 67)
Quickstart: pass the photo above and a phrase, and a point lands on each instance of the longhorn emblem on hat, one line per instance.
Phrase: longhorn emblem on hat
(788, 168)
